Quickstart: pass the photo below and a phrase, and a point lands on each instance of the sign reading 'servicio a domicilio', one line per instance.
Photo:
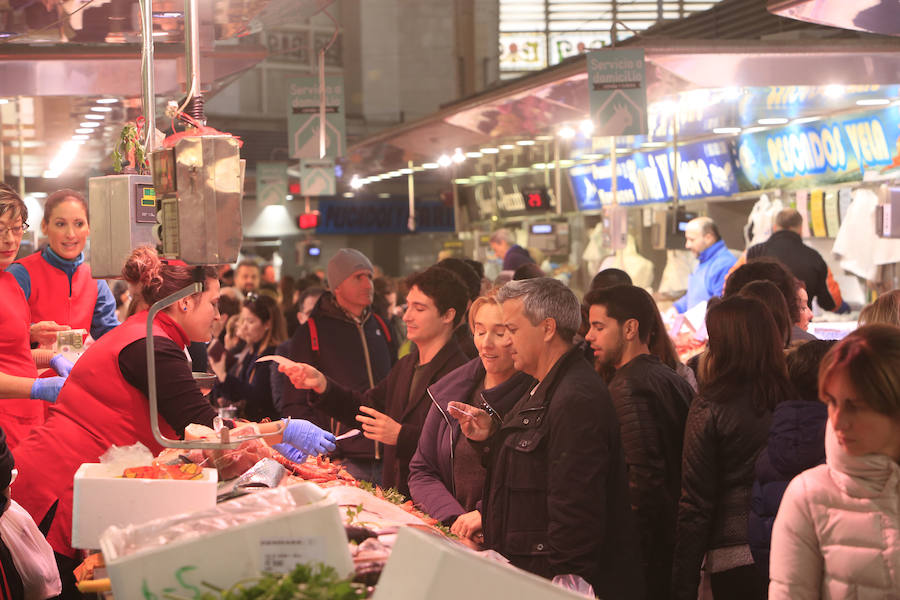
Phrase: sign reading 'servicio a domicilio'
(618, 92)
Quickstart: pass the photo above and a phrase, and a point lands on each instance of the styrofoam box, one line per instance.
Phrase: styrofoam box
(424, 565)
(313, 532)
(102, 498)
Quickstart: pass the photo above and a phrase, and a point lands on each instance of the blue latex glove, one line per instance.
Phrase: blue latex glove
(307, 438)
(61, 365)
(290, 452)
(47, 388)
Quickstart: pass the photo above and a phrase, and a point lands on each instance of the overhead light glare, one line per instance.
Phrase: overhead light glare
(4, 100)
(733, 92)
(566, 133)
(62, 160)
(348, 194)
(107, 100)
(84, 130)
(101, 109)
(539, 166)
(89, 124)
(802, 120)
(406, 171)
(94, 117)
(873, 102)
(473, 155)
(543, 138)
(586, 127)
(726, 130)
(654, 144)
(507, 146)
(490, 151)
(458, 156)
(433, 165)
(445, 160)
(834, 91)
(772, 121)
(81, 137)
(356, 182)
(525, 142)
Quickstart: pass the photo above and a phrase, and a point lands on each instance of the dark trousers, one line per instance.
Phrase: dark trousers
(741, 583)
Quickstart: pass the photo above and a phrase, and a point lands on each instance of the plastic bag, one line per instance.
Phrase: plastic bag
(31, 554)
(117, 542)
(119, 458)
(576, 583)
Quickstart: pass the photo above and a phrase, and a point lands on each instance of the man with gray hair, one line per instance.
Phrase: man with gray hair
(556, 497)
(708, 279)
(503, 243)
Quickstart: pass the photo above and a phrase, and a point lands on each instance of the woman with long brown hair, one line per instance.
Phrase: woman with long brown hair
(261, 326)
(742, 377)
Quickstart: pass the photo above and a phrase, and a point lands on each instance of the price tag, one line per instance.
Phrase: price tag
(281, 555)
(886, 220)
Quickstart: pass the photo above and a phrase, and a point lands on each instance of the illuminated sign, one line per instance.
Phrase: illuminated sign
(826, 151)
(704, 169)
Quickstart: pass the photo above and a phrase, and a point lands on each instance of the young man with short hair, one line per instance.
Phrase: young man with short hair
(394, 411)
(651, 402)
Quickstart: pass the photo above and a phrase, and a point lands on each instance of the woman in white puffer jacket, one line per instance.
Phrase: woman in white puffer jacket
(837, 533)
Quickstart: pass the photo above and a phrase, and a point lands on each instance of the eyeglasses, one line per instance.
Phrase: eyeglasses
(17, 231)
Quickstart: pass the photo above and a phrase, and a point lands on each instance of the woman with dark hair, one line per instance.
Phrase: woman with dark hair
(23, 394)
(836, 533)
(57, 281)
(105, 403)
(769, 294)
(742, 377)
(262, 328)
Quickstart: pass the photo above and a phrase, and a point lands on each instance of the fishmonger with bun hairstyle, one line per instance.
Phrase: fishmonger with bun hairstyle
(104, 401)
(57, 281)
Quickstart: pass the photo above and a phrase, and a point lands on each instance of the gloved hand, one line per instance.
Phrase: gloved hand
(47, 388)
(61, 365)
(306, 437)
(290, 452)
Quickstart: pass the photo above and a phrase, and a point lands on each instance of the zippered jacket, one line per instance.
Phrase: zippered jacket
(431, 469)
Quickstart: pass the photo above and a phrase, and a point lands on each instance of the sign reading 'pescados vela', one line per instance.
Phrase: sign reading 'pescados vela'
(827, 151)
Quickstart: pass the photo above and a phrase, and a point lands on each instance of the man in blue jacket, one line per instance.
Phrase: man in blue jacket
(708, 279)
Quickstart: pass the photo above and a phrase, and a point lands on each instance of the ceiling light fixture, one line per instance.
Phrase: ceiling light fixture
(873, 102)
(473, 155)
(772, 121)
(586, 126)
(489, 151)
(507, 147)
(84, 130)
(458, 156)
(566, 133)
(94, 117)
(525, 142)
(834, 91)
(81, 136)
(103, 109)
(433, 165)
(726, 130)
(89, 124)
(107, 100)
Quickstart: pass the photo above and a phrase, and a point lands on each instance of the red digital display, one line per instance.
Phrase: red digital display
(308, 221)
(537, 199)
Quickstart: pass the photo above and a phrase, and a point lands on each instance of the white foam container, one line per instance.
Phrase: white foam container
(102, 497)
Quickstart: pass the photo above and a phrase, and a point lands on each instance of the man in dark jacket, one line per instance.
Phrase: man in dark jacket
(503, 243)
(346, 341)
(556, 496)
(651, 401)
(394, 410)
(807, 265)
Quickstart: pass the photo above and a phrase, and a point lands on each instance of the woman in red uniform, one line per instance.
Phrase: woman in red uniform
(105, 400)
(20, 389)
(57, 281)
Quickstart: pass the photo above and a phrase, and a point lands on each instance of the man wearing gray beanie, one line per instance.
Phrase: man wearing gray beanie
(346, 340)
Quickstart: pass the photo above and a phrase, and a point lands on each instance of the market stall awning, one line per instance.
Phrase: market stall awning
(537, 104)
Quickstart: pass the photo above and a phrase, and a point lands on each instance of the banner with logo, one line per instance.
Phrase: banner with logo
(823, 152)
(705, 169)
(376, 215)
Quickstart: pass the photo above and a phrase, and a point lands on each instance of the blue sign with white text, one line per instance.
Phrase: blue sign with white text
(705, 169)
(371, 215)
(824, 151)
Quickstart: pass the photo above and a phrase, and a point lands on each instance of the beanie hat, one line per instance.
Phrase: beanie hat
(345, 263)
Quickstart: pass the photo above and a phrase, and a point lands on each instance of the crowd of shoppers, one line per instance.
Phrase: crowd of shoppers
(561, 432)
